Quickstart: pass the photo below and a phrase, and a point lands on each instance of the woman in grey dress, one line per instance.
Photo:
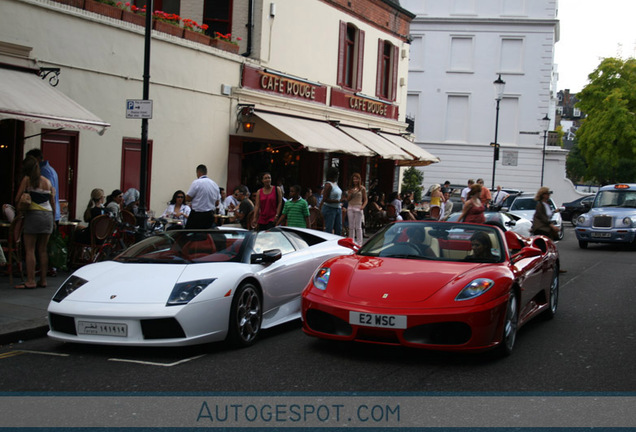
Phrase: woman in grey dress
(38, 220)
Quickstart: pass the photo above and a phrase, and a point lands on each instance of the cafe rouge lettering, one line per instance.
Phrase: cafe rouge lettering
(368, 106)
(350, 101)
(289, 87)
(283, 85)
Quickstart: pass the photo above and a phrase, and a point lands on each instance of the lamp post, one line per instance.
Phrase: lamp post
(499, 89)
(545, 121)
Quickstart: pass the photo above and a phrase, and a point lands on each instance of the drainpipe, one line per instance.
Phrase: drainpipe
(250, 28)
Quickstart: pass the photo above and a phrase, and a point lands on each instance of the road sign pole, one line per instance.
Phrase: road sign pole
(143, 170)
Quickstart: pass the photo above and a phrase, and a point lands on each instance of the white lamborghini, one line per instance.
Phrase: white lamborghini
(187, 287)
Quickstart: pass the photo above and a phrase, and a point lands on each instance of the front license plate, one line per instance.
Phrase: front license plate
(377, 320)
(600, 235)
(102, 329)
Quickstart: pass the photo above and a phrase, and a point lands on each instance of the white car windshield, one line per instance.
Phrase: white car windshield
(182, 246)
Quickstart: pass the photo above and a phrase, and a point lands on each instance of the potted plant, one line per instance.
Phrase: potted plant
(133, 14)
(225, 42)
(167, 23)
(103, 7)
(195, 32)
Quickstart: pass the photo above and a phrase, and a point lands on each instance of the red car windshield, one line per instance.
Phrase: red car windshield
(441, 241)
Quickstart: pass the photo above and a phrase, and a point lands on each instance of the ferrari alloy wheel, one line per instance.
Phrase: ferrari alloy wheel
(510, 325)
(245, 317)
(553, 301)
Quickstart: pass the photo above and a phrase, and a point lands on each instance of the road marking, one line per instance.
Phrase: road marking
(155, 363)
(18, 352)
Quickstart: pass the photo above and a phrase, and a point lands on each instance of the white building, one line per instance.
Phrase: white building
(459, 48)
(303, 68)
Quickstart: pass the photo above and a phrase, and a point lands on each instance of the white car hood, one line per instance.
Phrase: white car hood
(128, 283)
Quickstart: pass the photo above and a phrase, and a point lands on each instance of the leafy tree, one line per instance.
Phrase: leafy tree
(560, 134)
(607, 136)
(575, 165)
(412, 182)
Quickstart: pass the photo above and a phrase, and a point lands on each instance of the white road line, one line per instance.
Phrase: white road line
(155, 363)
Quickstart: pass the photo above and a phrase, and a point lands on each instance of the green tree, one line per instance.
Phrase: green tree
(607, 136)
(412, 182)
(575, 165)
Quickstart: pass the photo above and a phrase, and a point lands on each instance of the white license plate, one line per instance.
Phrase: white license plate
(600, 235)
(102, 328)
(377, 320)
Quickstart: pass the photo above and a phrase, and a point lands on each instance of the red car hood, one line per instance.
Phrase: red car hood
(396, 281)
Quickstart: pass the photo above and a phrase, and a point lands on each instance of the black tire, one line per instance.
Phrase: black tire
(574, 218)
(511, 320)
(582, 244)
(561, 232)
(553, 296)
(246, 316)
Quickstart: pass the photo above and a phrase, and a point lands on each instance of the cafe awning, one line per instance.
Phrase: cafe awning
(383, 147)
(315, 136)
(25, 96)
(422, 157)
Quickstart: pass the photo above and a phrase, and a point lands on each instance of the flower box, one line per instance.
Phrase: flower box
(134, 18)
(224, 45)
(75, 3)
(168, 28)
(102, 9)
(195, 36)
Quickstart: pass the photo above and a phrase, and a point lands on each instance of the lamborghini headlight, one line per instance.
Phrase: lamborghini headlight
(183, 292)
(475, 289)
(321, 278)
(70, 285)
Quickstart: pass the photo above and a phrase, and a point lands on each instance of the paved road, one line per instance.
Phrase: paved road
(589, 347)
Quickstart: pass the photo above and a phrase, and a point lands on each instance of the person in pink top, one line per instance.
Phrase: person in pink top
(473, 210)
(268, 205)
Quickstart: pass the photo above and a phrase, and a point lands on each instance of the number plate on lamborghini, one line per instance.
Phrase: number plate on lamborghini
(102, 329)
(377, 320)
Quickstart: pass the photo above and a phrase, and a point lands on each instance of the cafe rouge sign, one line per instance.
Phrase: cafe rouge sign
(288, 86)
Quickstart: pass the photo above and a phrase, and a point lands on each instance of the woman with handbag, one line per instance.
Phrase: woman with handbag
(36, 201)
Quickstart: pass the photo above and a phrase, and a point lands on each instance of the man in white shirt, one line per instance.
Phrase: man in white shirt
(499, 197)
(203, 194)
(465, 191)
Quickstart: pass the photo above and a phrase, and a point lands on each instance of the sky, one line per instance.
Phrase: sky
(590, 31)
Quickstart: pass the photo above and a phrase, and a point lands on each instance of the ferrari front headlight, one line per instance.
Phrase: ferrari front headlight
(70, 285)
(184, 292)
(321, 278)
(475, 289)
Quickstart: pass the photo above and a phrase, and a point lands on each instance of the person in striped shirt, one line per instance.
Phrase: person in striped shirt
(295, 211)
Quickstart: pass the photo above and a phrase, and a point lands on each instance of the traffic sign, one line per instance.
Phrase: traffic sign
(138, 109)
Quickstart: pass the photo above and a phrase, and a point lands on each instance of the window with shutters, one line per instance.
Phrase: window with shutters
(350, 54)
(386, 79)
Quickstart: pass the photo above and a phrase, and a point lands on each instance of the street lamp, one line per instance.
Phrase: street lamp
(499, 89)
(545, 122)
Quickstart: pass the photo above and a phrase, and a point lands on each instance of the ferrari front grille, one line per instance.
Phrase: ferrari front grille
(445, 333)
(326, 323)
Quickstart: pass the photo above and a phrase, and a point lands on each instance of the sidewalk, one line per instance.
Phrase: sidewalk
(23, 311)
